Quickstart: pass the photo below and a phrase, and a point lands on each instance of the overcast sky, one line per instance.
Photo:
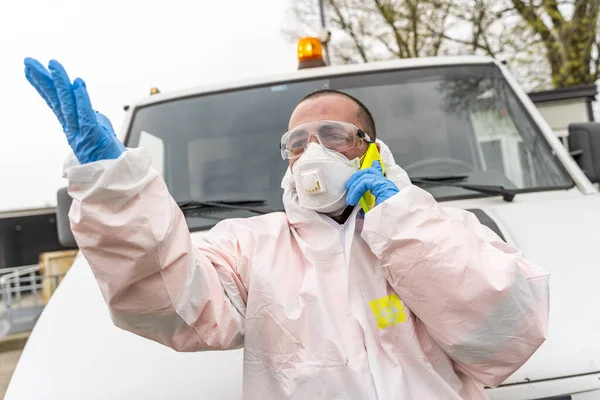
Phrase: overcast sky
(121, 48)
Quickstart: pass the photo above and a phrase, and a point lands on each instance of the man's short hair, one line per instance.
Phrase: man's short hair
(363, 113)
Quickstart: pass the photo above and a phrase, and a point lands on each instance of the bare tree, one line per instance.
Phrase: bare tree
(569, 33)
(545, 42)
(496, 29)
(368, 30)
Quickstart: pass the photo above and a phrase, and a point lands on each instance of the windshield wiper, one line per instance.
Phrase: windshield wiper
(244, 205)
(441, 178)
(454, 181)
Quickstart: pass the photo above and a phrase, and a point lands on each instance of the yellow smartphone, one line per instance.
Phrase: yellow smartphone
(367, 202)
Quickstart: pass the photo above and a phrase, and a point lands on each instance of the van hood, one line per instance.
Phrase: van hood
(562, 237)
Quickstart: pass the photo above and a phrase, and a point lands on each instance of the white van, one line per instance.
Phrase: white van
(462, 129)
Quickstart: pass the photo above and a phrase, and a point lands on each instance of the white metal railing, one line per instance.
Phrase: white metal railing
(17, 281)
(14, 283)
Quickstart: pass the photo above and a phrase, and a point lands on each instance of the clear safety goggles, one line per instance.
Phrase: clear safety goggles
(333, 135)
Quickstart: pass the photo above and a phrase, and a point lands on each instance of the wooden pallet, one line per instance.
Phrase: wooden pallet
(53, 266)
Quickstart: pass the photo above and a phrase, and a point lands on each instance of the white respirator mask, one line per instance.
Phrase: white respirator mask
(321, 175)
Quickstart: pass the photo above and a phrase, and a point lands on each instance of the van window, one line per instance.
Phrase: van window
(461, 120)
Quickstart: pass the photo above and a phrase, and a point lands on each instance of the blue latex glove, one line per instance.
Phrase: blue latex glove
(89, 133)
(371, 179)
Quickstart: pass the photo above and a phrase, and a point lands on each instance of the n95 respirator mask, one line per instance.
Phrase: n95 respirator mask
(320, 176)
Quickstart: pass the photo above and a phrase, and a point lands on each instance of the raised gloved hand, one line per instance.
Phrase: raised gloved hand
(89, 133)
(371, 179)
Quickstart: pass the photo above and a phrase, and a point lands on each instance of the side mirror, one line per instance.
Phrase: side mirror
(584, 145)
(63, 226)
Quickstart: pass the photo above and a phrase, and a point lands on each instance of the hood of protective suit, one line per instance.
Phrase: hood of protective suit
(299, 215)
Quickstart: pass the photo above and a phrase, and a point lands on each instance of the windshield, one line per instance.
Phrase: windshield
(451, 121)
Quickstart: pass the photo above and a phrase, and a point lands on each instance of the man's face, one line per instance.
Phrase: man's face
(332, 108)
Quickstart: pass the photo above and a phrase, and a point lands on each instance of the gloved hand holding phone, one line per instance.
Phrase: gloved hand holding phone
(89, 133)
(373, 180)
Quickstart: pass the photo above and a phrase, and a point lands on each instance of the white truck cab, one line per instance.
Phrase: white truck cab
(460, 127)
